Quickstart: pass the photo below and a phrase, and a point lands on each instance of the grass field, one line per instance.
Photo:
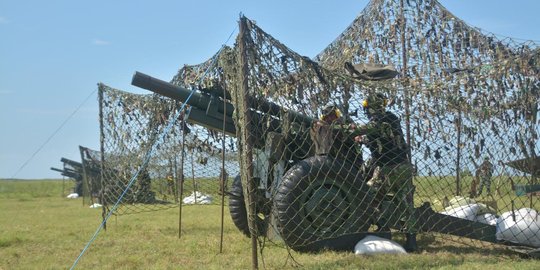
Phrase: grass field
(43, 230)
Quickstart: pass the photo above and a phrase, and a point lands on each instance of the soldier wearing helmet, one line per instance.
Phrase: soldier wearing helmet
(382, 134)
(329, 139)
(331, 114)
(484, 173)
(389, 169)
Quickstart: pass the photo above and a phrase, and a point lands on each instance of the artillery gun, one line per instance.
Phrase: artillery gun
(74, 170)
(319, 201)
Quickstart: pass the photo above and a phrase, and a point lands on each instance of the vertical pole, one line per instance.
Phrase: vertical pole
(63, 184)
(181, 178)
(405, 79)
(247, 146)
(193, 176)
(85, 174)
(104, 206)
(533, 179)
(175, 177)
(223, 173)
(458, 153)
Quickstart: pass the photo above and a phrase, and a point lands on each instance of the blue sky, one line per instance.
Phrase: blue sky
(53, 53)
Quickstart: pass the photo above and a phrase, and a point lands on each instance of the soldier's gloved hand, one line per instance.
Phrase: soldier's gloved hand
(360, 139)
(320, 123)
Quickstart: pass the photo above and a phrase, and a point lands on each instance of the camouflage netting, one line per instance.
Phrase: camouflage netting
(470, 96)
(462, 98)
(86, 174)
(91, 172)
(131, 123)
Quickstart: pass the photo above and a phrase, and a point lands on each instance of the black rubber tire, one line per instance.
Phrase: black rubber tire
(237, 209)
(319, 202)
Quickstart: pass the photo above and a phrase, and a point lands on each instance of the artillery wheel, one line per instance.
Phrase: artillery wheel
(237, 209)
(323, 203)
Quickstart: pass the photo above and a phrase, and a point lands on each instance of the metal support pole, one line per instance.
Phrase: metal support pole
(246, 139)
(458, 157)
(405, 80)
(193, 176)
(102, 165)
(181, 178)
(223, 174)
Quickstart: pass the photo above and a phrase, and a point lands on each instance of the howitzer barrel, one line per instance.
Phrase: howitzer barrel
(181, 94)
(72, 163)
(206, 110)
(68, 173)
(210, 111)
(203, 101)
(56, 169)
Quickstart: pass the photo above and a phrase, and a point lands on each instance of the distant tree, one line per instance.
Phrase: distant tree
(465, 172)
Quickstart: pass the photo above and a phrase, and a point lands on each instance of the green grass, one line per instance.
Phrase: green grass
(29, 189)
(434, 189)
(47, 231)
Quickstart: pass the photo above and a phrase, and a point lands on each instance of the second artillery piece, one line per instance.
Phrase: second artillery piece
(73, 170)
(315, 201)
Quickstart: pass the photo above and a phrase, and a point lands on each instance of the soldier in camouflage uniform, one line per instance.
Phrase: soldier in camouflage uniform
(485, 172)
(329, 139)
(389, 169)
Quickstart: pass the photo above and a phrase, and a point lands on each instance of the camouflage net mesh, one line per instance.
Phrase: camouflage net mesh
(91, 174)
(85, 174)
(463, 150)
(471, 97)
(131, 123)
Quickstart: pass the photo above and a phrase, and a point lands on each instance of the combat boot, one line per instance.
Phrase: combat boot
(410, 243)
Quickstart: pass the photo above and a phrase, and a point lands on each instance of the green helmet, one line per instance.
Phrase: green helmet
(330, 111)
(374, 103)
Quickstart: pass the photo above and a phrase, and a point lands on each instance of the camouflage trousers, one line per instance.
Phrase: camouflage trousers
(396, 182)
(485, 181)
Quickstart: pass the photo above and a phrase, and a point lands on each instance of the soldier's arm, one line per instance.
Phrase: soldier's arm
(353, 130)
(367, 129)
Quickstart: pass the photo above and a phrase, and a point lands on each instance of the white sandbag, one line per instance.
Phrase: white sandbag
(525, 229)
(468, 211)
(72, 196)
(96, 205)
(487, 218)
(197, 198)
(371, 245)
(472, 211)
(457, 201)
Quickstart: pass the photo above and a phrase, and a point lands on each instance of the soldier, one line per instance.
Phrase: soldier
(484, 172)
(329, 140)
(389, 168)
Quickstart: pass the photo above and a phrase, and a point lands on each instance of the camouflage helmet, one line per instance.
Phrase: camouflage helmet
(330, 110)
(374, 103)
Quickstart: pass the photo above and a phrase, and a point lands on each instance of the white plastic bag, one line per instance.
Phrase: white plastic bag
(468, 211)
(457, 201)
(96, 205)
(487, 218)
(73, 196)
(467, 208)
(525, 229)
(197, 198)
(371, 245)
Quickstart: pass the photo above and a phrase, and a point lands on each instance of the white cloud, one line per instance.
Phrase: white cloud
(100, 42)
(40, 111)
(3, 20)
